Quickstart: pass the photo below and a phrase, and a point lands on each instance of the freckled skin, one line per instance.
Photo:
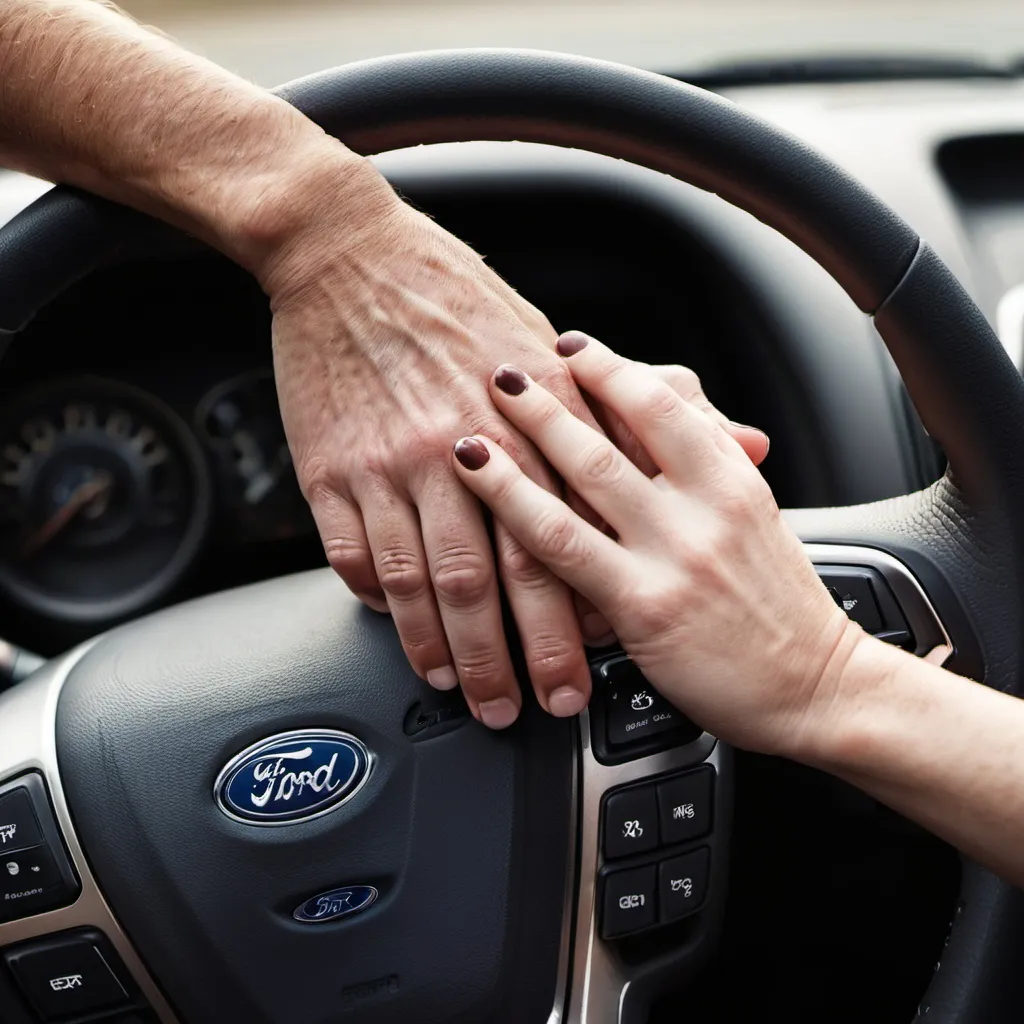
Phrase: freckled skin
(385, 332)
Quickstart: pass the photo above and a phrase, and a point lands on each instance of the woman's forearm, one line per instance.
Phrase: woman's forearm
(90, 98)
(943, 750)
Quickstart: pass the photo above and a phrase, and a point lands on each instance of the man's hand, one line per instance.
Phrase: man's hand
(384, 338)
(386, 328)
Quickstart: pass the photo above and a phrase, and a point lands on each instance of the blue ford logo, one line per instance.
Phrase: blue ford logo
(291, 777)
(329, 906)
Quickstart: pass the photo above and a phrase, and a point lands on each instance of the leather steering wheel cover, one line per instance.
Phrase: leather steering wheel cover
(959, 377)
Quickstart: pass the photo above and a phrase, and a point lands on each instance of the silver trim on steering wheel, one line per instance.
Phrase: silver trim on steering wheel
(593, 980)
(28, 742)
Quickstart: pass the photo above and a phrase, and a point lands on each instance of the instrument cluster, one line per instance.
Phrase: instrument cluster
(110, 494)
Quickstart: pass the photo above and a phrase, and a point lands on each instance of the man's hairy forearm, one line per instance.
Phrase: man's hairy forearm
(90, 98)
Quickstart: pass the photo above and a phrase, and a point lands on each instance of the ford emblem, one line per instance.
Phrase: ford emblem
(292, 777)
(337, 903)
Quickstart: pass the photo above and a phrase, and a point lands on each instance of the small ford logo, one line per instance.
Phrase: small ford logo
(292, 777)
(337, 903)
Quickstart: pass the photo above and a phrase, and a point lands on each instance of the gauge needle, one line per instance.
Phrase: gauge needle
(84, 493)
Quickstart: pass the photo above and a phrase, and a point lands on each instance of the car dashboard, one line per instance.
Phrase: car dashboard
(142, 458)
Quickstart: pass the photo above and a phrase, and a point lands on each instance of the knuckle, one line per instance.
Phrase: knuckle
(400, 573)
(429, 439)
(521, 569)
(551, 658)
(660, 404)
(702, 561)
(418, 641)
(500, 432)
(739, 504)
(682, 379)
(610, 367)
(462, 577)
(557, 537)
(480, 670)
(548, 412)
(600, 463)
(656, 612)
(348, 557)
(557, 378)
(318, 480)
(502, 486)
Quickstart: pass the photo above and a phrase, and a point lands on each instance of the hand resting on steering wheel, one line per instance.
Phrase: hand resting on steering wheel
(710, 592)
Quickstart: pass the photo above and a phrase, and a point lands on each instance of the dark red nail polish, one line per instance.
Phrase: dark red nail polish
(473, 454)
(571, 343)
(511, 380)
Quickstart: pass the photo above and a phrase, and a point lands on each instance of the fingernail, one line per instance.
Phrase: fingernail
(473, 454)
(571, 343)
(566, 702)
(443, 678)
(376, 603)
(746, 426)
(511, 380)
(596, 629)
(499, 713)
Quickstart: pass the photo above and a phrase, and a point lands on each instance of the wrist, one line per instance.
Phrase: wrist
(266, 183)
(277, 221)
(852, 718)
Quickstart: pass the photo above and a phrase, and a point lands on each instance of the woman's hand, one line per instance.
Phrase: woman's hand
(706, 587)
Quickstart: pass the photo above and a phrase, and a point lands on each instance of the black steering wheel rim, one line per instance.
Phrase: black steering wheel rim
(963, 534)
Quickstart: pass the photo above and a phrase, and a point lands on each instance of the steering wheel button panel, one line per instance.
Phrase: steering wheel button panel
(66, 978)
(629, 901)
(851, 589)
(635, 709)
(630, 822)
(26, 874)
(682, 884)
(34, 872)
(18, 826)
(684, 806)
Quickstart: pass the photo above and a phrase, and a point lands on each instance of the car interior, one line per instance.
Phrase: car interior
(162, 583)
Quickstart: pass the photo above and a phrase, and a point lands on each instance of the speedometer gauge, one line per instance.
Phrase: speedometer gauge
(104, 499)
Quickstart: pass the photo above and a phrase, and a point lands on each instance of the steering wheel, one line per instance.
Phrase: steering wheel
(248, 808)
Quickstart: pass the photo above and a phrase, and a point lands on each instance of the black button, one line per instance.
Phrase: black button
(630, 822)
(25, 875)
(684, 806)
(851, 590)
(18, 826)
(635, 709)
(66, 977)
(682, 884)
(628, 901)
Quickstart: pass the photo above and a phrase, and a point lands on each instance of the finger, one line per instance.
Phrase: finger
(687, 385)
(393, 532)
(596, 630)
(465, 584)
(588, 462)
(340, 526)
(685, 443)
(591, 563)
(542, 606)
(524, 601)
(594, 626)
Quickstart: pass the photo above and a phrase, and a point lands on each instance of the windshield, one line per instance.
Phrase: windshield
(272, 41)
